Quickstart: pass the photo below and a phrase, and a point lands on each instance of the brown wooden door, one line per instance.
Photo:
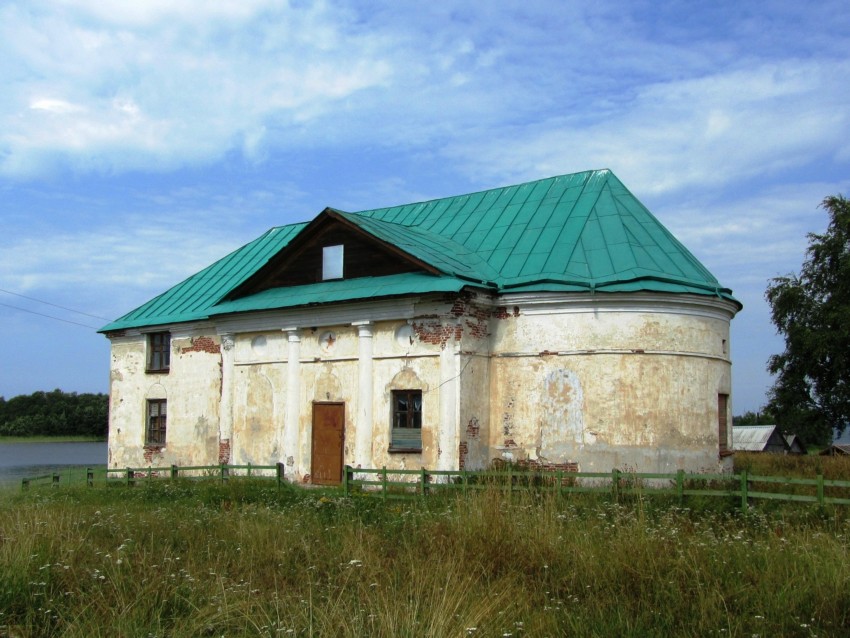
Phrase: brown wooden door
(328, 437)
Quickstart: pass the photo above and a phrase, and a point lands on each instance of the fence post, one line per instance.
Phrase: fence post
(129, 476)
(510, 480)
(174, 471)
(422, 478)
(820, 490)
(279, 472)
(25, 484)
(465, 478)
(345, 471)
(89, 477)
(745, 485)
(55, 479)
(249, 470)
(615, 483)
(680, 486)
(384, 482)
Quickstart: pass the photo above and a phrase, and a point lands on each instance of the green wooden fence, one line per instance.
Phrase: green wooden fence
(387, 483)
(132, 475)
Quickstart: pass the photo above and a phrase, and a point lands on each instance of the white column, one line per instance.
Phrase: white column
(363, 424)
(292, 456)
(448, 433)
(225, 417)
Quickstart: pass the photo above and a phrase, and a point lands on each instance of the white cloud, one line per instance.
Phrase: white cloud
(705, 132)
(158, 85)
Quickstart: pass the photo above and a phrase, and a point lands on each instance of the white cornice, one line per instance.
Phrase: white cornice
(546, 303)
(318, 316)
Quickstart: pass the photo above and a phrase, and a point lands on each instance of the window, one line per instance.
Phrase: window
(407, 421)
(332, 258)
(159, 351)
(157, 413)
(722, 423)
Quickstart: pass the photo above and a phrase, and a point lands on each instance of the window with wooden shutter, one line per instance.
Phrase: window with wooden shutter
(159, 352)
(155, 430)
(406, 421)
(723, 423)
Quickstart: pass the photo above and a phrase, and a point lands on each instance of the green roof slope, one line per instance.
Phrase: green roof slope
(193, 298)
(579, 232)
(584, 229)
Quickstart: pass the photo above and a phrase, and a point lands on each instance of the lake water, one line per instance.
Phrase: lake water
(21, 460)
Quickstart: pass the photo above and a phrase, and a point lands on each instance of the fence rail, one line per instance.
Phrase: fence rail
(387, 483)
(131, 475)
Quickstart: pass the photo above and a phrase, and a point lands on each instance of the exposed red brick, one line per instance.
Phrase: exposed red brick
(463, 450)
(567, 466)
(151, 451)
(473, 428)
(224, 452)
(203, 344)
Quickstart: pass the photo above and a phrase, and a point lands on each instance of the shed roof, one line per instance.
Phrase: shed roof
(578, 232)
(751, 438)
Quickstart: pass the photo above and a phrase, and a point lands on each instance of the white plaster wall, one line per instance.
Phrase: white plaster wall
(192, 388)
(625, 381)
(609, 387)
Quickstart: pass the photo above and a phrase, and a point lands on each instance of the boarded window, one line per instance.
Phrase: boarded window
(332, 258)
(159, 351)
(157, 413)
(722, 422)
(407, 421)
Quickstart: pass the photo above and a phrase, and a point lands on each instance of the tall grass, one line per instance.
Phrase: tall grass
(242, 559)
(793, 465)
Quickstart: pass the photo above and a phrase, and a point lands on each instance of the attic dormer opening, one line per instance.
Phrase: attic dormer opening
(332, 262)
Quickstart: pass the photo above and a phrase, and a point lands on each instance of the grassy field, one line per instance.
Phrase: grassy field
(244, 559)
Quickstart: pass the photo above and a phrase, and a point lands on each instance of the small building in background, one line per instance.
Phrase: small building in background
(764, 438)
(795, 444)
(837, 449)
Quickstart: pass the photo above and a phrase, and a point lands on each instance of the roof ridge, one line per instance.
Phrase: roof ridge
(607, 171)
(586, 219)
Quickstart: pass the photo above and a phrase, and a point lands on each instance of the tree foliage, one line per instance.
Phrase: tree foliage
(811, 395)
(762, 417)
(55, 413)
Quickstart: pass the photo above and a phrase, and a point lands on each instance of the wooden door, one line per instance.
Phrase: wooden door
(328, 438)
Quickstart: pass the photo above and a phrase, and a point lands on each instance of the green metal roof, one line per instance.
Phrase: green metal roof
(579, 232)
(339, 290)
(193, 298)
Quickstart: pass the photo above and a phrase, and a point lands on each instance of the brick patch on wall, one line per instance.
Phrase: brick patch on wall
(151, 451)
(568, 466)
(203, 344)
(224, 452)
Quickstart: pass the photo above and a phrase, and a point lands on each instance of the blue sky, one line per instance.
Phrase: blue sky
(140, 141)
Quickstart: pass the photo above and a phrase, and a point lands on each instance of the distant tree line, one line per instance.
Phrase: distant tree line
(763, 417)
(54, 413)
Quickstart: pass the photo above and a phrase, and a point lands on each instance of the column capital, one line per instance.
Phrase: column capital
(227, 341)
(292, 334)
(364, 328)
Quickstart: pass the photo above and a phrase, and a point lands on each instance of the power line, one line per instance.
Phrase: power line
(33, 312)
(48, 303)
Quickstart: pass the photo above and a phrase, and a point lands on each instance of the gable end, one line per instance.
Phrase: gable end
(301, 261)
